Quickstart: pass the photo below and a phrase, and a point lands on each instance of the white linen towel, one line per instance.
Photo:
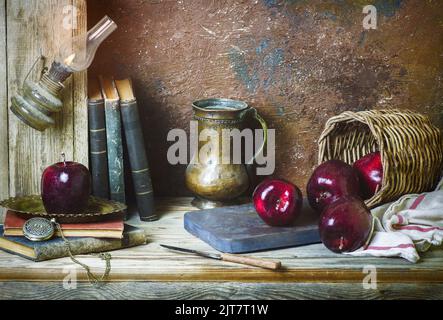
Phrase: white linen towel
(410, 225)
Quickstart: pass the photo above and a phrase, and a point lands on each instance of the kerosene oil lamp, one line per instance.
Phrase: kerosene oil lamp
(36, 101)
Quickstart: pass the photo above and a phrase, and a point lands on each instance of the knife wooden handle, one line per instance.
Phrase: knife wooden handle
(250, 261)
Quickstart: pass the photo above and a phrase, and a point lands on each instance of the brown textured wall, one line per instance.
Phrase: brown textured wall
(299, 62)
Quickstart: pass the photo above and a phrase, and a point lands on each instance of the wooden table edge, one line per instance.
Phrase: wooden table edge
(239, 275)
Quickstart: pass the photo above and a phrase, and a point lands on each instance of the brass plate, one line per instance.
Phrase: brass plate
(98, 209)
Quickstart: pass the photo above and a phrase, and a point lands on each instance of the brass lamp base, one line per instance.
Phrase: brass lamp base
(29, 114)
(36, 102)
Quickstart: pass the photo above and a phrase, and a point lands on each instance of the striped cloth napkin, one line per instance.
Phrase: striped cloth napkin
(407, 226)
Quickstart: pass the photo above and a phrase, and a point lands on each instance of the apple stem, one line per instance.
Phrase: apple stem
(64, 158)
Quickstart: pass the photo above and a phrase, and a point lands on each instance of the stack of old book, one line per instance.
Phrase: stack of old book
(83, 238)
(113, 114)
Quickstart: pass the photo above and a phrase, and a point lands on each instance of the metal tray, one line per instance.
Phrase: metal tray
(98, 209)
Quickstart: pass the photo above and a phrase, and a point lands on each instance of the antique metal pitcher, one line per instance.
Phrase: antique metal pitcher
(214, 181)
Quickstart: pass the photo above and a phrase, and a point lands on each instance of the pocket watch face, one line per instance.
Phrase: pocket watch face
(38, 229)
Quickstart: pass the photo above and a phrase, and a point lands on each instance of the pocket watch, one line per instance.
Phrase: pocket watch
(38, 229)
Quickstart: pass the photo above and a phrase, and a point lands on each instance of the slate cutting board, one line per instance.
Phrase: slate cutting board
(239, 229)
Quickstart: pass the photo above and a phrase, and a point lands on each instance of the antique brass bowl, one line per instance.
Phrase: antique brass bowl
(98, 209)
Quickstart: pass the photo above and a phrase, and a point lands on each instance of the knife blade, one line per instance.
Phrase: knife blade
(215, 256)
(250, 261)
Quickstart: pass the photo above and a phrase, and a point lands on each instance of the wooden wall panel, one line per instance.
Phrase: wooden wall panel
(4, 165)
(79, 102)
(299, 62)
(36, 27)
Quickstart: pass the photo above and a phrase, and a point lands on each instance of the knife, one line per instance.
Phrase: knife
(250, 261)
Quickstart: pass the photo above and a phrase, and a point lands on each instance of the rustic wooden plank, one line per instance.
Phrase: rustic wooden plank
(205, 290)
(36, 27)
(149, 263)
(80, 110)
(314, 263)
(4, 165)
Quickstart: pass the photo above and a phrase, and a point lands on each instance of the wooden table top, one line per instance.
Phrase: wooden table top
(307, 264)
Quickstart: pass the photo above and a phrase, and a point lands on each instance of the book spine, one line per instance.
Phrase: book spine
(138, 160)
(51, 250)
(115, 151)
(98, 150)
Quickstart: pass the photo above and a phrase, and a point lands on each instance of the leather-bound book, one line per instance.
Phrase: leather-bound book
(98, 157)
(56, 247)
(114, 139)
(137, 151)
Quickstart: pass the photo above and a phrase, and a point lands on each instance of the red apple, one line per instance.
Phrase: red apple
(277, 202)
(330, 181)
(370, 172)
(345, 225)
(66, 187)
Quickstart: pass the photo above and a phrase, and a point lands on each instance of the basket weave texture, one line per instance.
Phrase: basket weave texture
(411, 148)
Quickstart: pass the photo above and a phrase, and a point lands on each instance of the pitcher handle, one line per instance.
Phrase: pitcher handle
(264, 126)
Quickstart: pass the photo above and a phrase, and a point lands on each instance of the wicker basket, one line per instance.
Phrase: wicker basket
(411, 148)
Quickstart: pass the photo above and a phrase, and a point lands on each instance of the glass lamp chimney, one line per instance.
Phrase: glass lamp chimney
(77, 55)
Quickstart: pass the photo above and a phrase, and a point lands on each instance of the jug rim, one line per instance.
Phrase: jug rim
(223, 105)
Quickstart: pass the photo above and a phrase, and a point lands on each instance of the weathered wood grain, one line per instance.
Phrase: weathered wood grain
(4, 165)
(226, 291)
(34, 28)
(80, 80)
(307, 264)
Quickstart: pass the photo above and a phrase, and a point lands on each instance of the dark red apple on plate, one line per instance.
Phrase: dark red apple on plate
(370, 171)
(66, 187)
(278, 202)
(330, 181)
(345, 225)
